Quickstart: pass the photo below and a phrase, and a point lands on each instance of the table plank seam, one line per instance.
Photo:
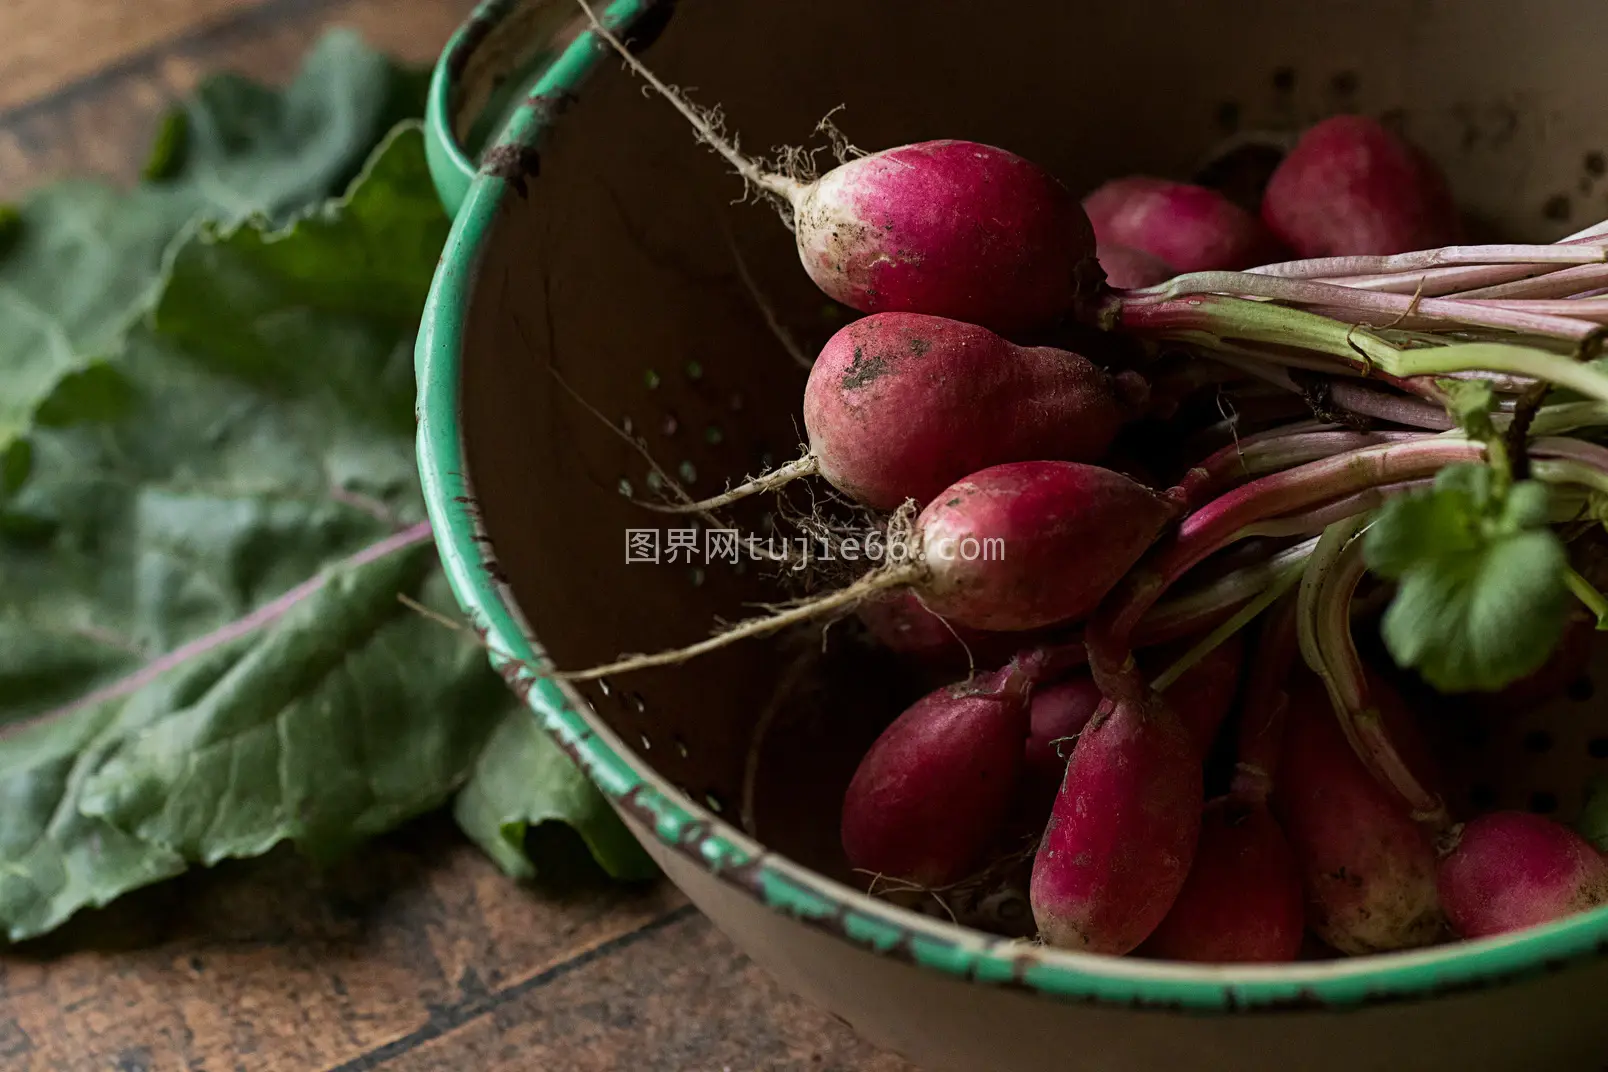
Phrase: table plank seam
(449, 1018)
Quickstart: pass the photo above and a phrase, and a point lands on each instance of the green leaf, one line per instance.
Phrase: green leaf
(263, 300)
(346, 716)
(198, 691)
(1482, 595)
(201, 650)
(1471, 403)
(524, 780)
(87, 259)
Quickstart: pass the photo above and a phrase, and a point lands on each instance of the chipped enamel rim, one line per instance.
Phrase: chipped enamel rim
(720, 849)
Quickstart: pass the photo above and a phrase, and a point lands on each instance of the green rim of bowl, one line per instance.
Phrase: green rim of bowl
(788, 888)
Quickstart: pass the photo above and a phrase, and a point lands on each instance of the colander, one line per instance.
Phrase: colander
(603, 273)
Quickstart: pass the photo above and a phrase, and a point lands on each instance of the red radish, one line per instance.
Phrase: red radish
(934, 789)
(1510, 870)
(1201, 697)
(1129, 268)
(1121, 836)
(1012, 548)
(952, 228)
(1058, 713)
(1243, 900)
(1369, 868)
(1351, 187)
(1029, 544)
(1191, 228)
(900, 405)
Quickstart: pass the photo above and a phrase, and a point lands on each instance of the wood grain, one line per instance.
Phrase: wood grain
(415, 954)
(101, 121)
(50, 44)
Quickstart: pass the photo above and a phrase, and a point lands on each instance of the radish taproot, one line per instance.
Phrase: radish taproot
(1510, 870)
(1350, 187)
(1189, 227)
(952, 228)
(900, 405)
(933, 790)
(1368, 868)
(1122, 832)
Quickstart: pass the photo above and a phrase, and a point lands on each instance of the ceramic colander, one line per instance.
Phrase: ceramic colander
(601, 272)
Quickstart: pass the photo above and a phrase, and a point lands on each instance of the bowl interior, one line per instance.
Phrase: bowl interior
(630, 286)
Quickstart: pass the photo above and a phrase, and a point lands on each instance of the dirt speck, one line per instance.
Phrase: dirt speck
(514, 164)
(864, 370)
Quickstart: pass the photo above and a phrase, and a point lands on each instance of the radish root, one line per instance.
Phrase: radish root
(709, 123)
(771, 481)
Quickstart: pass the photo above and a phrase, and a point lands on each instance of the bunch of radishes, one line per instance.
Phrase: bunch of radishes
(957, 412)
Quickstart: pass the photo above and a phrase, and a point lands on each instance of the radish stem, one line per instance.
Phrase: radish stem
(1324, 623)
(1587, 593)
(1550, 322)
(1282, 582)
(1585, 250)
(1267, 700)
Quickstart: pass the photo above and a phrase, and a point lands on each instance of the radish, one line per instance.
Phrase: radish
(1189, 227)
(952, 228)
(1130, 268)
(900, 623)
(1369, 869)
(1350, 187)
(934, 789)
(1058, 713)
(1029, 544)
(1242, 901)
(1201, 697)
(1122, 833)
(1509, 870)
(900, 405)
(1011, 548)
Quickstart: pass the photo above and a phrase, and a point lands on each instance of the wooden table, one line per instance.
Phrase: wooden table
(415, 955)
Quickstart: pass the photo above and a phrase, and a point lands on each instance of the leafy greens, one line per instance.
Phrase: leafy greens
(209, 381)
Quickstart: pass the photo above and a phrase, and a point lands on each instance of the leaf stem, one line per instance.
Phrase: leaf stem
(1587, 593)
(1324, 624)
(1283, 580)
